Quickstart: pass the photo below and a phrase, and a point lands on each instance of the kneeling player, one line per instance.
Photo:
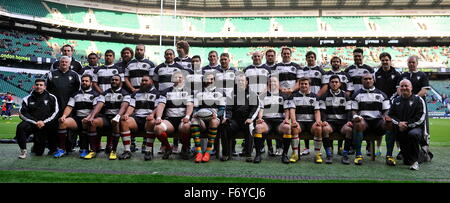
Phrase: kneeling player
(305, 109)
(112, 103)
(209, 99)
(140, 117)
(82, 103)
(276, 117)
(335, 107)
(176, 104)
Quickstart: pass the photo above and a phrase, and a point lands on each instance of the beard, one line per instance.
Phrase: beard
(85, 87)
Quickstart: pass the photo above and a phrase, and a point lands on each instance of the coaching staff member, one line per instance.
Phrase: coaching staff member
(62, 83)
(408, 118)
(38, 113)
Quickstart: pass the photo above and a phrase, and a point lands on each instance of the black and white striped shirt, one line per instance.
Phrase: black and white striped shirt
(356, 72)
(335, 106)
(257, 77)
(185, 62)
(274, 105)
(210, 68)
(225, 80)
(89, 70)
(346, 84)
(144, 102)
(138, 68)
(176, 100)
(315, 74)
(103, 75)
(113, 100)
(163, 75)
(305, 106)
(370, 103)
(83, 102)
(288, 73)
(210, 98)
(194, 81)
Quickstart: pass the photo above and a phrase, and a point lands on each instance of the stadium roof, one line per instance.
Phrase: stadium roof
(283, 4)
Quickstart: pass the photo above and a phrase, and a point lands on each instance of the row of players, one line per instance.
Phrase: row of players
(257, 74)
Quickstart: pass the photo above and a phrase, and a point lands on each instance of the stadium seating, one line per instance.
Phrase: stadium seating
(33, 8)
(24, 44)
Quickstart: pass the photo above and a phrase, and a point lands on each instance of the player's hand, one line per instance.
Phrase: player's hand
(158, 121)
(214, 116)
(185, 120)
(125, 117)
(295, 124)
(150, 117)
(248, 121)
(40, 124)
(325, 124)
(286, 121)
(86, 120)
(403, 126)
(357, 119)
(349, 124)
(62, 119)
(259, 121)
(387, 119)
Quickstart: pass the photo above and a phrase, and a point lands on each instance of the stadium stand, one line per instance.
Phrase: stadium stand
(33, 8)
(24, 44)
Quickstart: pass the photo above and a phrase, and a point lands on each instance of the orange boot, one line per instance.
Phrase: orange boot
(206, 157)
(198, 157)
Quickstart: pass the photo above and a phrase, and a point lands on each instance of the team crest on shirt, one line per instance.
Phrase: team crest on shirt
(293, 69)
(411, 103)
(114, 71)
(365, 72)
(70, 77)
(344, 78)
(144, 65)
(342, 101)
(418, 77)
(311, 101)
(392, 76)
(91, 97)
(46, 102)
(119, 97)
(377, 97)
(316, 73)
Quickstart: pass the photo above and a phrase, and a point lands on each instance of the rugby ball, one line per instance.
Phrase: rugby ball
(204, 114)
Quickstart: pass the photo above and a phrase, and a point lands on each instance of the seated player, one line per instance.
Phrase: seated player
(112, 104)
(335, 107)
(140, 117)
(176, 106)
(275, 118)
(81, 103)
(305, 117)
(209, 99)
(369, 109)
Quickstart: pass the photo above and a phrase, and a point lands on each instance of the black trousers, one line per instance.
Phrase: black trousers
(235, 127)
(410, 145)
(40, 139)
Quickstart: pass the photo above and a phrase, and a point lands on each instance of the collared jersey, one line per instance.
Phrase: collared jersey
(138, 68)
(185, 62)
(113, 100)
(83, 102)
(315, 74)
(370, 103)
(163, 75)
(346, 84)
(356, 72)
(418, 80)
(104, 74)
(288, 73)
(176, 100)
(257, 77)
(274, 105)
(305, 105)
(335, 106)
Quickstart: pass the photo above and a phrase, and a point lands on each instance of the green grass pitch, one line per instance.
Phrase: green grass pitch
(100, 170)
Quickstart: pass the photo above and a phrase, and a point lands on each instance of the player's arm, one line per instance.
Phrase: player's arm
(322, 90)
(66, 113)
(128, 84)
(96, 87)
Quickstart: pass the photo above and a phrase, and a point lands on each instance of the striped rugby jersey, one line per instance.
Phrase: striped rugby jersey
(356, 72)
(83, 102)
(225, 80)
(89, 70)
(210, 98)
(210, 68)
(315, 74)
(274, 105)
(176, 100)
(163, 75)
(194, 81)
(304, 105)
(185, 62)
(370, 103)
(138, 68)
(347, 85)
(103, 75)
(144, 102)
(257, 75)
(288, 73)
(113, 99)
(335, 106)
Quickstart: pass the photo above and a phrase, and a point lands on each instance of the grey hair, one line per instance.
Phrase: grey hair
(64, 57)
(414, 57)
(405, 80)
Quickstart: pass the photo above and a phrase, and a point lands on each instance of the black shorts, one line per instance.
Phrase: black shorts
(337, 125)
(79, 122)
(306, 126)
(140, 122)
(237, 126)
(107, 121)
(273, 124)
(175, 121)
(375, 126)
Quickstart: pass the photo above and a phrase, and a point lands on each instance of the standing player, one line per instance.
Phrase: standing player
(386, 80)
(357, 70)
(112, 104)
(81, 104)
(126, 54)
(335, 106)
(175, 107)
(68, 50)
(183, 55)
(194, 81)
(276, 116)
(225, 75)
(92, 65)
(257, 74)
(137, 68)
(213, 64)
(288, 72)
(103, 75)
(369, 106)
(163, 73)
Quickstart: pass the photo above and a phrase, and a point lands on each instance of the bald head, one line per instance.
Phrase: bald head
(405, 88)
(257, 58)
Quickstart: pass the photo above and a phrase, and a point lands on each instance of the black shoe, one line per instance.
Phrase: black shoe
(263, 151)
(133, 147)
(107, 150)
(184, 154)
(249, 159)
(270, 152)
(225, 158)
(167, 153)
(285, 159)
(125, 155)
(329, 160)
(399, 156)
(345, 160)
(257, 159)
(351, 152)
(148, 156)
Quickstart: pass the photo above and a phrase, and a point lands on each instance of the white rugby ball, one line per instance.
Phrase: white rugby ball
(204, 114)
